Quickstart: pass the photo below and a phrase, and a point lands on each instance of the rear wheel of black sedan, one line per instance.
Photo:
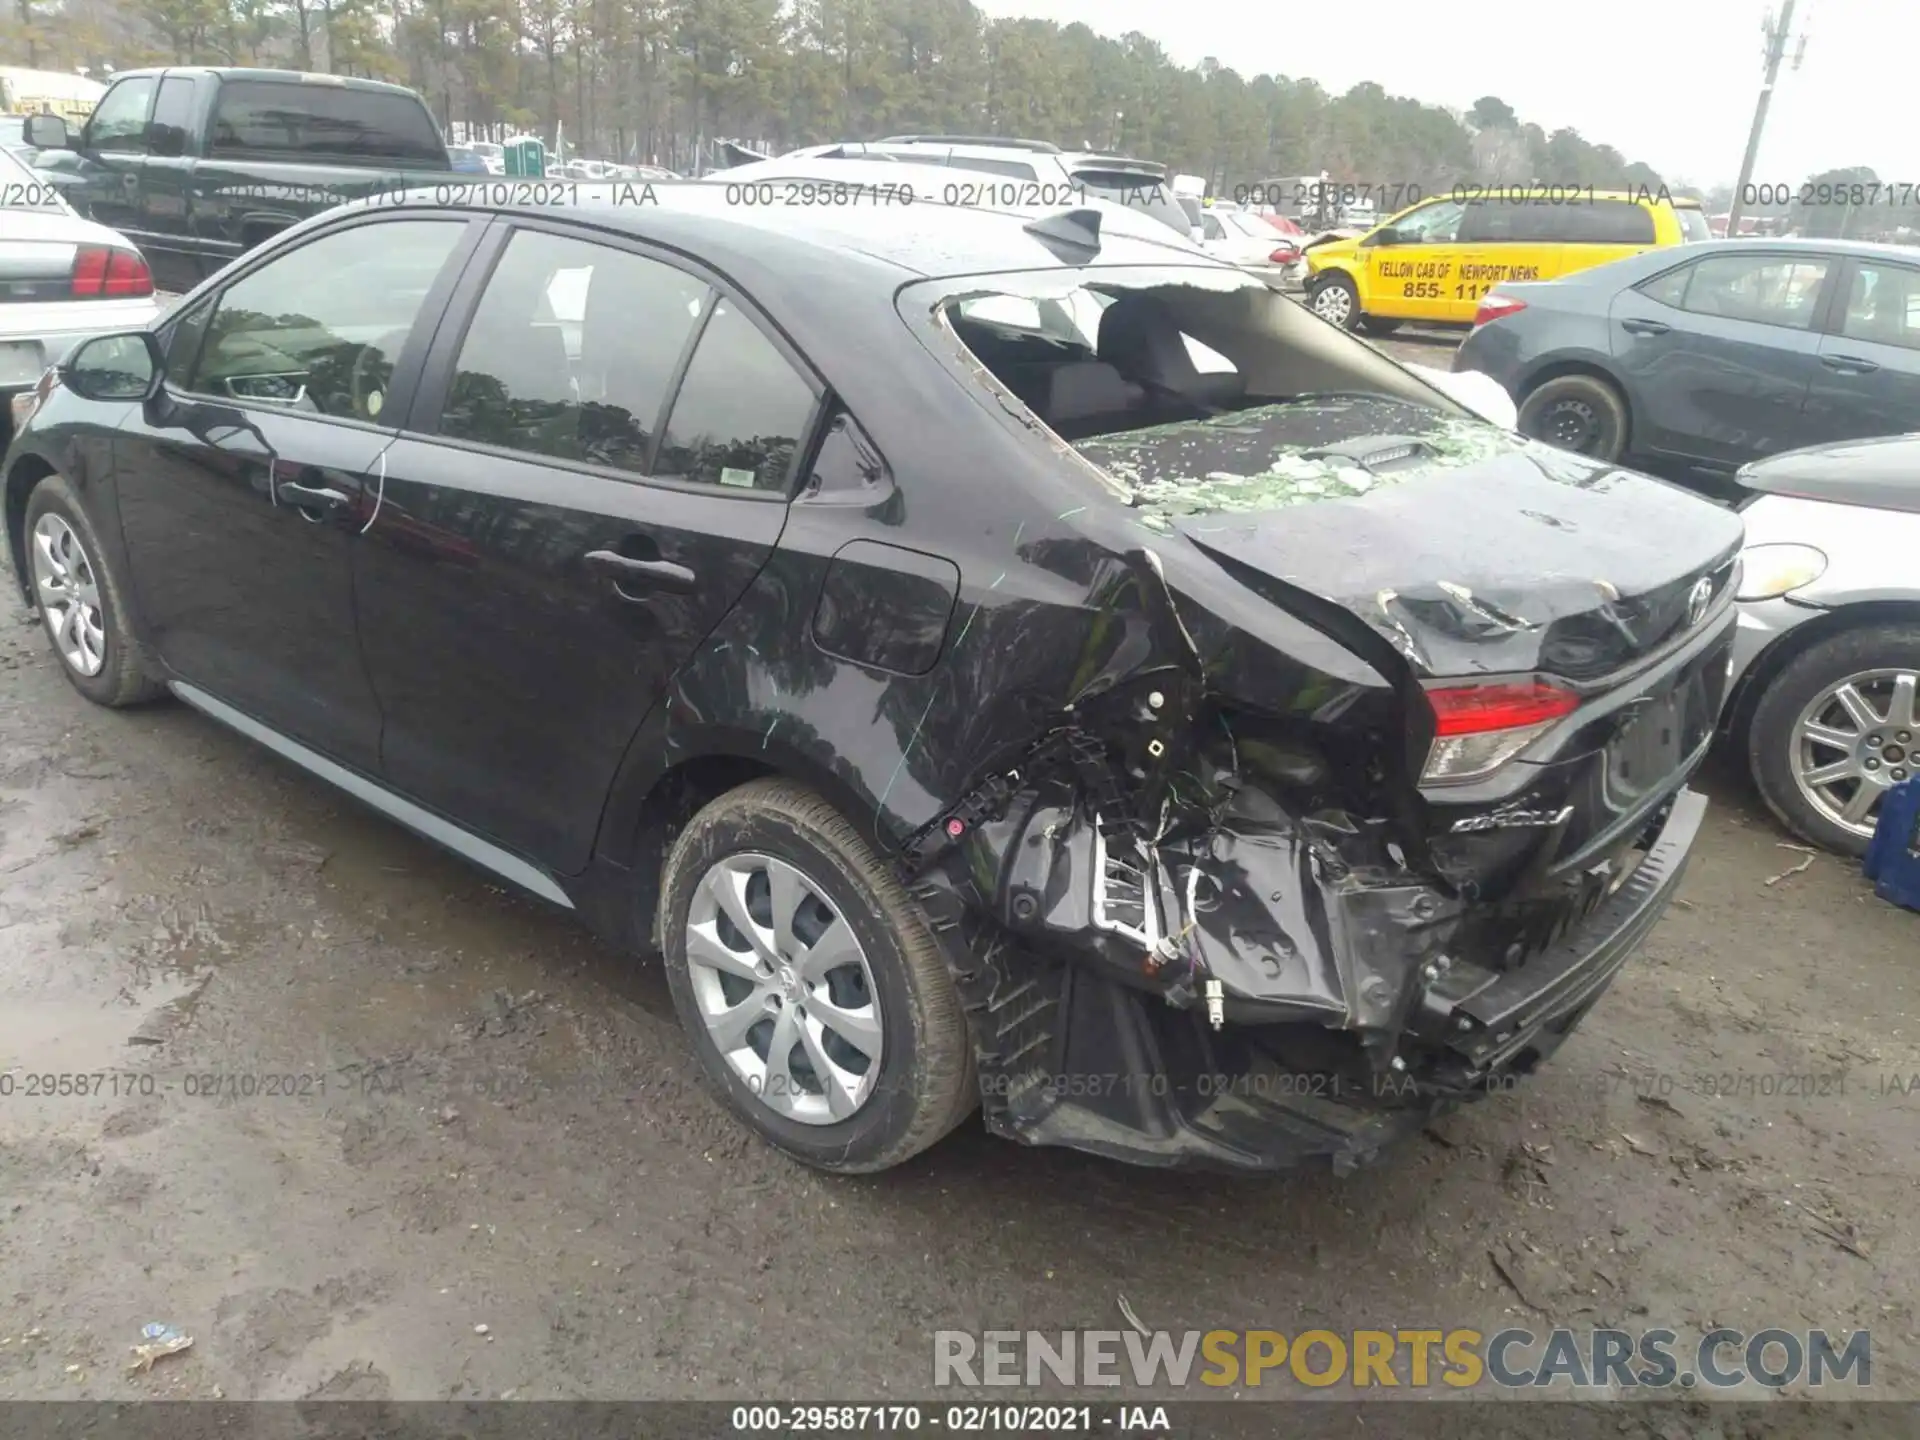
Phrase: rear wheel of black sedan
(1581, 413)
(1837, 728)
(1333, 299)
(80, 599)
(815, 995)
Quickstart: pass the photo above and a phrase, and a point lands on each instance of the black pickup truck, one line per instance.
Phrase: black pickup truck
(198, 165)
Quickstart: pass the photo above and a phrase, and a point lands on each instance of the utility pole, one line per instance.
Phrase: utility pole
(1776, 49)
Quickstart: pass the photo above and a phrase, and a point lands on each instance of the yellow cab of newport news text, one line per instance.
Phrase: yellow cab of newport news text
(1434, 261)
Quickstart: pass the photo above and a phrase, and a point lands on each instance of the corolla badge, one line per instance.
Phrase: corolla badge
(1698, 599)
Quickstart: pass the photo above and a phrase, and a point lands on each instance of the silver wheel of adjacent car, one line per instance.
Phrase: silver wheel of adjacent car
(1333, 302)
(784, 988)
(69, 595)
(1853, 741)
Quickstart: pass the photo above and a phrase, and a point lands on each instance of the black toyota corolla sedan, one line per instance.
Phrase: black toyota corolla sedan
(995, 660)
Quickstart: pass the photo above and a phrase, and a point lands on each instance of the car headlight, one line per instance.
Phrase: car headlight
(1770, 571)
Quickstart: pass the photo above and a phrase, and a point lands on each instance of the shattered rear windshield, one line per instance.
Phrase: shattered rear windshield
(1193, 392)
(1293, 453)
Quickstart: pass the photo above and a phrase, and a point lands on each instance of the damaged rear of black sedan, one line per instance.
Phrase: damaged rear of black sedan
(997, 662)
(1371, 771)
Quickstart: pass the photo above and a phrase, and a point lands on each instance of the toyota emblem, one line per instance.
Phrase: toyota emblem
(1698, 599)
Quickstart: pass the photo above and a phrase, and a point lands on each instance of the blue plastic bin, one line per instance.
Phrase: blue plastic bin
(1893, 857)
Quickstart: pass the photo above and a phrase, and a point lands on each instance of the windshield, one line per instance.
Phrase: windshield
(23, 189)
(1693, 223)
(1195, 365)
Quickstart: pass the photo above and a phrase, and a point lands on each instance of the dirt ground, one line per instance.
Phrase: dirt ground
(513, 1134)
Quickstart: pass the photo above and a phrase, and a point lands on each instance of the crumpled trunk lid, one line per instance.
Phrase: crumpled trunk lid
(1470, 550)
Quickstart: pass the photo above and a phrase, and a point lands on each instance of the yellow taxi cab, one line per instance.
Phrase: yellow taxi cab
(1433, 261)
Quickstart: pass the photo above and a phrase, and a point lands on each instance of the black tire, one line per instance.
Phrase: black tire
(1771, 742)
(124, 677)
(926, 1083)
(1378, 326)
(1345, 316)
(1581, 413)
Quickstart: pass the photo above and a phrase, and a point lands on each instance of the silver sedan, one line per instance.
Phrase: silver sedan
(1825, 694)
(62, 279)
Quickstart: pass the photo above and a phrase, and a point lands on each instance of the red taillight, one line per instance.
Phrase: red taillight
(106, 272)
(1497, 307)
(1475, 709)
(1285, 255)
(1478, 728)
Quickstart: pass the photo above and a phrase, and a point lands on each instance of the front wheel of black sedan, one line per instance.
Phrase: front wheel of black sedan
(1835, 730)
(80, 599)
(1581, 413)
(814, 993)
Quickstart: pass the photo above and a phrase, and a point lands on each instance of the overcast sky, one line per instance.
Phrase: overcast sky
(1671, 82)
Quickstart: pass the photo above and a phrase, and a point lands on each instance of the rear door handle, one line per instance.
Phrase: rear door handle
(1849, 364)
(1644, 327)
(313, 497)
(641, 574)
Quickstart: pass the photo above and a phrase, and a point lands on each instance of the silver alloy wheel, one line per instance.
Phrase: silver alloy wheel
(1333, 302)
(69, 596)
(1854, 741)
(785, 989)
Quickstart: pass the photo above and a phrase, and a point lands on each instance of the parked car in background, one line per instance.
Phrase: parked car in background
(1707, 357)
(492, 152)
(62, 279)
(468, 161)
(1433, 262)
(877, 658)
(52, 92)
(802, 180)
(998, 170)
(1825, 698)
(198, 165)
(1245, 240)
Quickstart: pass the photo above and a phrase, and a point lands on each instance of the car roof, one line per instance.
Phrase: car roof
(242, 72)
(1865, 249)
(890, 244)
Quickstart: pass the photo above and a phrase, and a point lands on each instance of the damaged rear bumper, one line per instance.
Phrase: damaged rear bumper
(1068, 1055)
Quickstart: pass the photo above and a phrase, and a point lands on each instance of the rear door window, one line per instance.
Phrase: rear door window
(1883, 305)
(301, 120)
(1670, 288)
(571, 352)
(1760, 289)
(741, 412)
(172, 117)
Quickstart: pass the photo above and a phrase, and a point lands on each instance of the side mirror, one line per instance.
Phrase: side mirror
(47, 132)
(115, 367)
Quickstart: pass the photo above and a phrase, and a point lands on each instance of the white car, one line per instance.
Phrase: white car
(62, 279)
(872, 181)
(1244, 239)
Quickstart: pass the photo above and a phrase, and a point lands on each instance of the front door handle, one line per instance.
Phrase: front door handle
(1849, 364)
(313, 497)
(1644, 327)
(641, 574)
